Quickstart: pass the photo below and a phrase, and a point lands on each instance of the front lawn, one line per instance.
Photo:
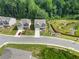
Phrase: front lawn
(8, 31)
(28, 32)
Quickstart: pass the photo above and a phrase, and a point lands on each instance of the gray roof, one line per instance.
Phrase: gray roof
(25, 21)
(4, 21)
(40, 22)
(11, 53)
(5, 18)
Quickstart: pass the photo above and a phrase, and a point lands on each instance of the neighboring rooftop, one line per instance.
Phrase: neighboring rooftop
(40, 23)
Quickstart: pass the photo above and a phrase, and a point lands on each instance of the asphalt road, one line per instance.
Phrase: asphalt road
(41, 40)
(11, 53)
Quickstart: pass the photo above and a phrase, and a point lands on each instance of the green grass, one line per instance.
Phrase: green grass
(28, 32)
(46, 32)
(52, 53)
(67, 37)
(60, 27)
(2, 49)
(8, 31)
(45, 52)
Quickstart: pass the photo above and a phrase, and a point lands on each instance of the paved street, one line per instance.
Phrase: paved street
(12, 53)
(41, 40)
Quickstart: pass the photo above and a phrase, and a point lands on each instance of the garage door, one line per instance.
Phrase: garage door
(37, 32)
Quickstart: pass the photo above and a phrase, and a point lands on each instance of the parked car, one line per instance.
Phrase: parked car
(19, 33)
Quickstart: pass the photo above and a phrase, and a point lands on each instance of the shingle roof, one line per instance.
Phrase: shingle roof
(40, 22)
(25, 21)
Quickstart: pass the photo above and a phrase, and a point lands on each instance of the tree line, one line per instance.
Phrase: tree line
(53, 9)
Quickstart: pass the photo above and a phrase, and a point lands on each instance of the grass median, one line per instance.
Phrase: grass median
(45, 52)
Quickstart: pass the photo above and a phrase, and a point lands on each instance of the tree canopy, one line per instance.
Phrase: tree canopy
(40, 8)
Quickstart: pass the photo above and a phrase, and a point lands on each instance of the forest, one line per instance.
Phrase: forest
(48, 9)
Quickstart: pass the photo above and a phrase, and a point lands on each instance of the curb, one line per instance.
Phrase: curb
(39, 43)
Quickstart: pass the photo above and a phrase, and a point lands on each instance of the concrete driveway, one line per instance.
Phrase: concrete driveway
(37, 32)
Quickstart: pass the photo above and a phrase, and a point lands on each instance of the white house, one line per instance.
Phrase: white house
(12, 53)
(7, 21)
(12, 21)
(24, 24)
(40, 25)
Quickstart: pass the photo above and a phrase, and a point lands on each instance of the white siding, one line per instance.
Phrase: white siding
(12, 21)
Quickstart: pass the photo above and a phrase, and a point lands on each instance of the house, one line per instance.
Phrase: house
(7, 21)
(40, 23)
(12, 53)
(24, 24)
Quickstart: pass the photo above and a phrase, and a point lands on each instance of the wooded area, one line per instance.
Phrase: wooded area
(53, 9)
